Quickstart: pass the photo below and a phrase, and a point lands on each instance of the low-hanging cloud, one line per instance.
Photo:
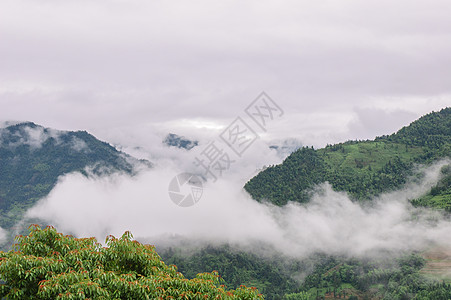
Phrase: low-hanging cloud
(331, 222)
(33, 136)
(79, 145)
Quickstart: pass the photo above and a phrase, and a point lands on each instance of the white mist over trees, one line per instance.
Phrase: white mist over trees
(329, 223)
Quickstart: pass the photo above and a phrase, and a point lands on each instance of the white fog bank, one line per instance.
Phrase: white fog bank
(330, 222)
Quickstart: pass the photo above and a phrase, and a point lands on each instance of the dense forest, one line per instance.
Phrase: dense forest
(393, 276)
(271, 275)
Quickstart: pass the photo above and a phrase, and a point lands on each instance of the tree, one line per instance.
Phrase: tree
(49, 265)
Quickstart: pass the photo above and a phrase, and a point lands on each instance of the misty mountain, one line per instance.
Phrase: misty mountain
(362, 168)
(174, 140)
(33, 157)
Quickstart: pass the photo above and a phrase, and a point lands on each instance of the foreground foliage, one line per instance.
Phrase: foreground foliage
(48, 265)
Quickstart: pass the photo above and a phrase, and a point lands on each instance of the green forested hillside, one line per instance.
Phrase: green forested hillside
(387, 278)
(271, 276)
(361, 168)
(33, 157)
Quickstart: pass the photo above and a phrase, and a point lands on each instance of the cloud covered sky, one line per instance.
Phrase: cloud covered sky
(124, 70)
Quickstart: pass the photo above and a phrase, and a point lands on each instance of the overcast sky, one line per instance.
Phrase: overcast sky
(126, 69)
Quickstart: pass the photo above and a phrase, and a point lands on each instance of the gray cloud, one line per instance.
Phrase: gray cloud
(31, 136)
(79, 145)
(114, 65)
(376, 122)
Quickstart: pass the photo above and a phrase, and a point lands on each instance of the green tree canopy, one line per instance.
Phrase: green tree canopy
(49, 265)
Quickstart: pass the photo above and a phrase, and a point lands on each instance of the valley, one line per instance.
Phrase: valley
(32, 159)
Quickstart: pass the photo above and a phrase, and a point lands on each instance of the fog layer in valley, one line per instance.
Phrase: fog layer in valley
(330, 222)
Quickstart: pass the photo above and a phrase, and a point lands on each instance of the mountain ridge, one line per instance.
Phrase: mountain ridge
(364, 169)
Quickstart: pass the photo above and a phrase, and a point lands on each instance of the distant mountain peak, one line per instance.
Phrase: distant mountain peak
(26, 133)
(174, 140)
